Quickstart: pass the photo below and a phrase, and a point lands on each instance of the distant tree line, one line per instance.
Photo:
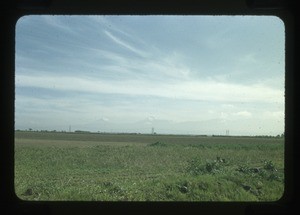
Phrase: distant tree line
(80, 131)
(132, 133)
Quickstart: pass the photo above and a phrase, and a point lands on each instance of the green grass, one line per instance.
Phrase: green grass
(115, 167)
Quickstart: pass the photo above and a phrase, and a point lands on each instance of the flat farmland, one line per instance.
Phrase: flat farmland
(56, 166)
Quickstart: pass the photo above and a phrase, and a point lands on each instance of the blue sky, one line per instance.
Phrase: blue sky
(178, 74)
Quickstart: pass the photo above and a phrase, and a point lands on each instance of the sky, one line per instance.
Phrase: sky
(176, 74)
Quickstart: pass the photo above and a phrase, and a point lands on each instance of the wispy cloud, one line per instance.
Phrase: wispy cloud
(190, 90)
(125, 44)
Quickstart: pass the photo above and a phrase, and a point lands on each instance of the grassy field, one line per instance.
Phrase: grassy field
(128, 167)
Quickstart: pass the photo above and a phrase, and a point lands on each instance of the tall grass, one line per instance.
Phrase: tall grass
(147, 168)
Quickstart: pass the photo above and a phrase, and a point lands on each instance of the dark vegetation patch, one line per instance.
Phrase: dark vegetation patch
(158, 143)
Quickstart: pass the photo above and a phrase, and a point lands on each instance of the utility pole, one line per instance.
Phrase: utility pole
(69, 128)
(227, 132)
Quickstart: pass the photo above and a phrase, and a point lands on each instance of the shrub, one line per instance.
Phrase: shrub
(196, 167)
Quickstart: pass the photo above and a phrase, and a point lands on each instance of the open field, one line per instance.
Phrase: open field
(137, 167)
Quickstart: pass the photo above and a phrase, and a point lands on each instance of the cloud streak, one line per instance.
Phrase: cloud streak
(125, 45)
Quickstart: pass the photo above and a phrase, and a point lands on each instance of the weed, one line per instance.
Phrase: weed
(196, 166)
(269, 165)
(213, 167)
(158, 143)
(249, 170)
(274, 176)
(266, 171)
(183, 186)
